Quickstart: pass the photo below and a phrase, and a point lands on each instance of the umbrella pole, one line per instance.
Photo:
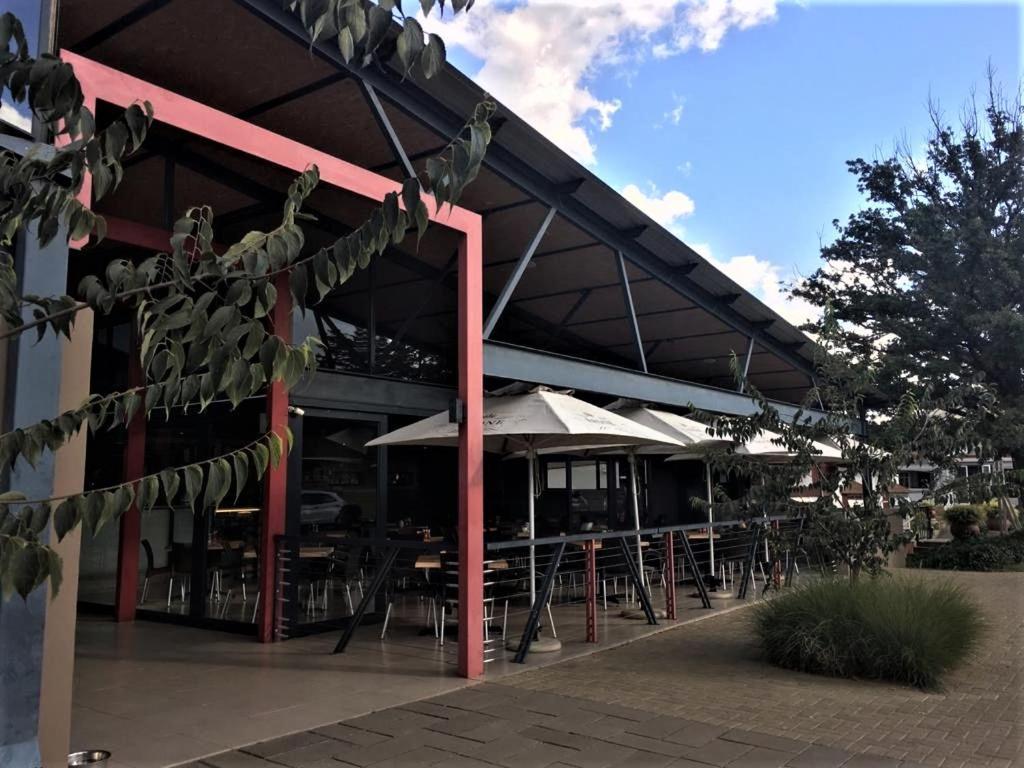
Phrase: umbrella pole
(635, 488)
(531, 460)
(711, 521)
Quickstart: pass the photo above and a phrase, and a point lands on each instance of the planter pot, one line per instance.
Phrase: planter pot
(964, 530)
(998, 524)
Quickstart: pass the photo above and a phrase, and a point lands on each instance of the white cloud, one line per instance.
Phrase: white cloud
(10, 115)
(765, 280)
(540, 56)
(666, 209)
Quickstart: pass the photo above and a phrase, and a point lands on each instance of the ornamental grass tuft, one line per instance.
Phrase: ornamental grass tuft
(902, 630)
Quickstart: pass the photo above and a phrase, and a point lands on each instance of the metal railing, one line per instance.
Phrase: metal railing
(725, 557)
(326, 583)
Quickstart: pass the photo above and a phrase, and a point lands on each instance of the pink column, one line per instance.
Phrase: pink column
(276, 479)
(130, 532)
(471, 478)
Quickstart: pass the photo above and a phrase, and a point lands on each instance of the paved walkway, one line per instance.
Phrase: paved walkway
(694, 697)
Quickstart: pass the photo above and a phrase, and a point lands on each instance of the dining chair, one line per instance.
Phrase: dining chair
(181, 569)
(151, 570)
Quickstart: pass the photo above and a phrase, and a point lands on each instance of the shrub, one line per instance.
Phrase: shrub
(964, 514)
(902, 630)
(978, 554)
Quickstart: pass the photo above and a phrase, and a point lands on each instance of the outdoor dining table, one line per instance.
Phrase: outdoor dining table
(312, 552)
(700, 536)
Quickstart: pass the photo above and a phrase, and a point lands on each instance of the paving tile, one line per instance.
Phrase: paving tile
(658, 727)
(817, 756)
(346, 733)
(617, 710)
(284, 744)
(464, 762)
(605, 725)
(696, 734)
(761, 757)
(234, 760)
(871, 761)
(550, 736)
(641, 759)
(715, 752)
(414, 758)
(767, 740)
(306, 757)
(369, 754)
(539, 756)
(601, 756)
(648, 744)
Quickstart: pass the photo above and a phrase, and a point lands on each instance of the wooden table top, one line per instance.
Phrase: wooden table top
(697, 536)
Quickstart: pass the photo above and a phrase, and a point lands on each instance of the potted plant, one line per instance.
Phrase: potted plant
(997, 521)
(964, 520)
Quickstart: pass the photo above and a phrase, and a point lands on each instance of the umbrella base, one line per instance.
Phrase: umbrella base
(721, 594)
(659, 613)
(539, 645)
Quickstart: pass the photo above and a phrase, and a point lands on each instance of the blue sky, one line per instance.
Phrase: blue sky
(731, 120)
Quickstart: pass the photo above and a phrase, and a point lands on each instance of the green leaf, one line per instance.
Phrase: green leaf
(40, 518)
(148, 490)
(260, 457)
(218, 480)
(25, 570)
(55, 569)
(241, 466)
(65, 518)
(410, 43)
(89, 507)
(276, 447)
(298, 283)
(193, 484)
(170, 480)
(346, 45)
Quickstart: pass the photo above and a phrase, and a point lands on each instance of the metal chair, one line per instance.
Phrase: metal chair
(151, 570)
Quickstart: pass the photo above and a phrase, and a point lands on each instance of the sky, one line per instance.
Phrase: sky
(730, 121)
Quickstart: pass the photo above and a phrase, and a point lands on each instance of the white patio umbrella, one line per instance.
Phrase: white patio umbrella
(540, 419)
(765, 445)
(680, 431)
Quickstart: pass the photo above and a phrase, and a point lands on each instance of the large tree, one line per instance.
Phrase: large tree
(201, 314)
(927, 279)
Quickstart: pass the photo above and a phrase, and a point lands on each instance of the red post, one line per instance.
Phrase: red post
(670, 576)
(130, 533)
(591, 591)
(471, 455)
(276, 479)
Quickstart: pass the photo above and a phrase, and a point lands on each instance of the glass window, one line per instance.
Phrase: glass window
(556, 479)
(584, 476)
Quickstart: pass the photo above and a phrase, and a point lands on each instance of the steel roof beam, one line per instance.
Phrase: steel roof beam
(426, 109)
(517, 274)
(627, 299)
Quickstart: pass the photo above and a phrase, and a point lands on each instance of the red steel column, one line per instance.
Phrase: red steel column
(276, 479)
(591, 591)
(130, 533)
(670, 575)
(471, 455)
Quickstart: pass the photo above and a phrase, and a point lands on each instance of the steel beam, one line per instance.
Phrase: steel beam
(507, 207)
(426, 109)
(584, 295)
(384, 122)
(746, 365)
(517, 273)
(298, 93)
(520, 364)
(119, 24)
(627, 299)
(414, 157)
(428, 296)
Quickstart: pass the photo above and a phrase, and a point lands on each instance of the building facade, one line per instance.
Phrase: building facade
(543, 274)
